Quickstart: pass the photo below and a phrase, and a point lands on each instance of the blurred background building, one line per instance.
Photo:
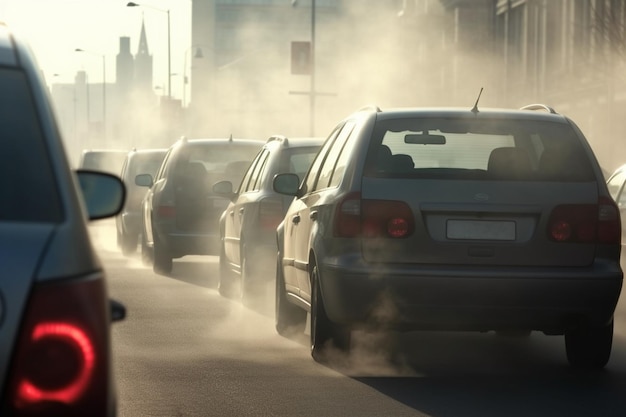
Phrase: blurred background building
(241, 75)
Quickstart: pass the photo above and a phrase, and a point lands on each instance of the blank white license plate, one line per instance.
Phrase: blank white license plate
(480, 230)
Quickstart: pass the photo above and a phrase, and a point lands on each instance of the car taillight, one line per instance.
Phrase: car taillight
(271, 213)
(61, 359)
(373, 218)
(586, 223)
(166, 211)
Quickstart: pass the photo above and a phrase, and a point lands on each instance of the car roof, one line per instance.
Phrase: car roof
(295, 141)
(531, 112)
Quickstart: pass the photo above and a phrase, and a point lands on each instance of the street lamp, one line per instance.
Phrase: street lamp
(198, 54)
(169, 54)
(104, 94)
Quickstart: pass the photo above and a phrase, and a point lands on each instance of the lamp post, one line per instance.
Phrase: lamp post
(169, 53)
(198, 54)
(312, 66)
(104, 94)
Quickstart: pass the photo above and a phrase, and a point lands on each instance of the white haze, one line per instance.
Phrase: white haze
(361, 59)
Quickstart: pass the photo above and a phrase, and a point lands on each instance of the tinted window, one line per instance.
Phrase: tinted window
(466, 149)
(256, 174)
(317, 162)
(246, 179)
(331, 161)
(27, 183)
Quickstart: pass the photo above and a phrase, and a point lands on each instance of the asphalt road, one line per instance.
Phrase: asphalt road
(185, 351)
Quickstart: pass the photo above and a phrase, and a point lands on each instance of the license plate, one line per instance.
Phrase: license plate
(480, 230)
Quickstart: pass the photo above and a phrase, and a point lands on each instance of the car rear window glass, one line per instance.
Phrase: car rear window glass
(27, 183)
(528, 150)
(221, 161)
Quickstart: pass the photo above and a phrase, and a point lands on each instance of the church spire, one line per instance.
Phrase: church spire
(143, 41)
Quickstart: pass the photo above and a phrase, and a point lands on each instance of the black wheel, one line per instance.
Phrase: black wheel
(227, 286)
(289, 318)
(146, 252)
(589, 347)
(162, 263)
(324, 333)
(128, 243)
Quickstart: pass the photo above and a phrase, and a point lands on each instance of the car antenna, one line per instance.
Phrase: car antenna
(475, 108)
(230, 139)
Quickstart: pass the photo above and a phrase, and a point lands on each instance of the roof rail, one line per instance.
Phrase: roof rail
(539, 107)
(370, 107)
(280, 138)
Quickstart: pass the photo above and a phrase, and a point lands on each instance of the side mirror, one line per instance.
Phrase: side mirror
(144, 180)
(118, 310)
(287, 184)
(104, 194)
(223, 189)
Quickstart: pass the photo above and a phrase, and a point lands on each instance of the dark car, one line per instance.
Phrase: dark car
(55, 338)
(128, 221)
(452, 219)
(180, 212)
(248, 225)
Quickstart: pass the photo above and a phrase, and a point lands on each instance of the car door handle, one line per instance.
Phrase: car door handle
(313, 215)
(295, 219)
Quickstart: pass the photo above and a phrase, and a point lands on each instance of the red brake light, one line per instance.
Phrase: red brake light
(61, 359)
(373, 218)
(586, 223)
(166, 211)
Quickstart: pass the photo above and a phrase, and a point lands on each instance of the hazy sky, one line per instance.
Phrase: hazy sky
(55, 28)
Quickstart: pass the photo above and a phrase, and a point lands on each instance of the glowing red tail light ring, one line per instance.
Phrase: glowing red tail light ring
(68, 394)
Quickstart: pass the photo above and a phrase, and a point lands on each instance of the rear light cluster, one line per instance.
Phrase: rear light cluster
(271, 213)
(586, 223)
(373, 218)
(61, 359)
(166, 211)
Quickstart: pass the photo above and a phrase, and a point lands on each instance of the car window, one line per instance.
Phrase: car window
(243, 187)
(443, 148)
(148, 163)
(256, 174)
(311, 177)
(330, 162)
(27, 182)
(165, 165)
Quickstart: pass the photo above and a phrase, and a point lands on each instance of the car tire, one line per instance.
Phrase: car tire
(589, 347)
(289, 318)
(227, 286)
(128, 244)
(325, 335)
(162, 263)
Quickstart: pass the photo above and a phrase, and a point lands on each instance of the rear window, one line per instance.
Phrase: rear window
(478, 149)
(27, 183)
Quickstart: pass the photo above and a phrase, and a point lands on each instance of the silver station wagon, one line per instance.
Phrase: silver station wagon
(452, 219)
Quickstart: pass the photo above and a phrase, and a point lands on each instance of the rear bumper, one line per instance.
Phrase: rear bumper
(441, 298)
(181, 244)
